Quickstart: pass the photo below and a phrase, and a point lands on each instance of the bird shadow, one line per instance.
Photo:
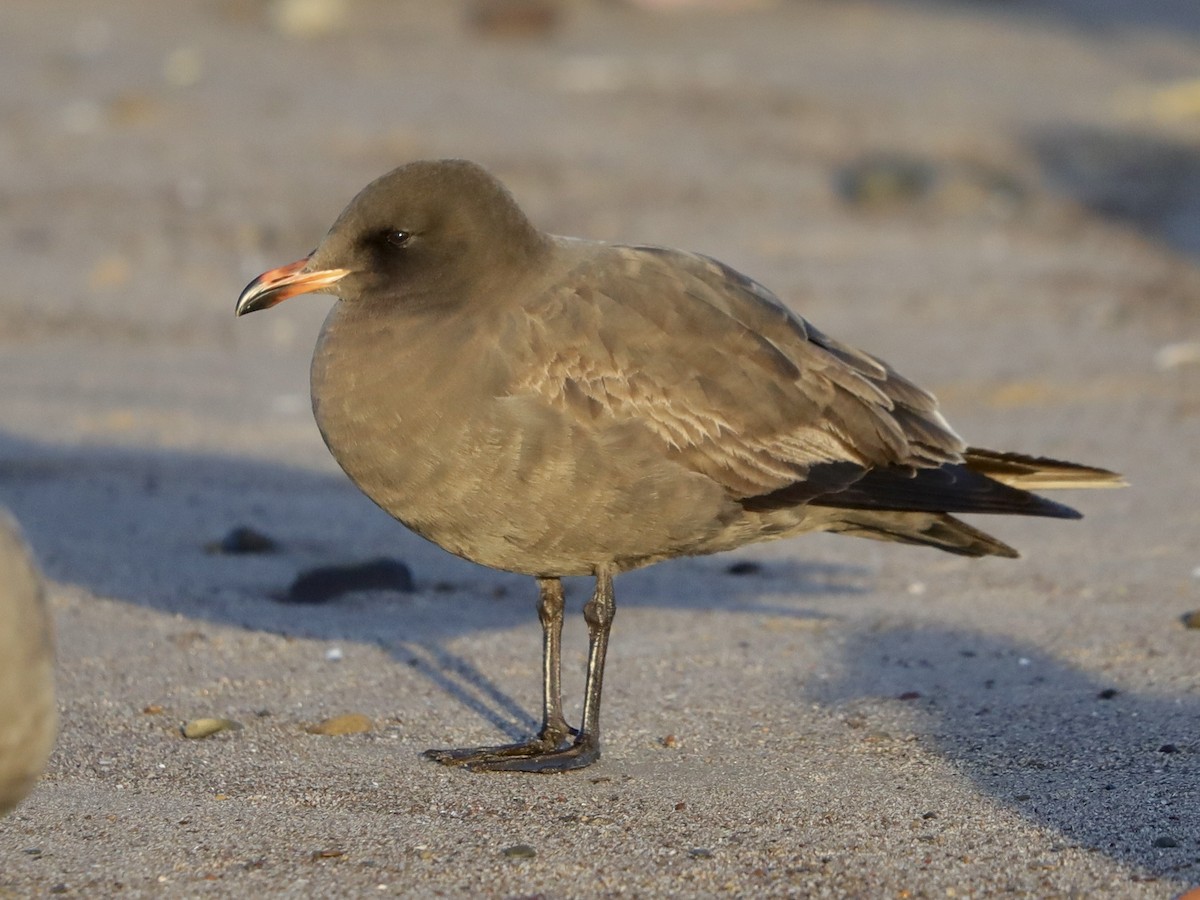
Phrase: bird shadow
(1175, 16)
(1148, 182)
(1114, 771)
(139, 526)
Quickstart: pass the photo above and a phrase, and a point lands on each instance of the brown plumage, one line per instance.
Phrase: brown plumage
(553, 406)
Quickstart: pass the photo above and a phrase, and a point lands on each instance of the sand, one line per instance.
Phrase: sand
(841, 718)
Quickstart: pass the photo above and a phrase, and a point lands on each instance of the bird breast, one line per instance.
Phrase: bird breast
(425, 416)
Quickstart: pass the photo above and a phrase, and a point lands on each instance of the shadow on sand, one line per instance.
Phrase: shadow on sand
(1114, 771)
(134, 524)
(1149, 182)
(1099, 15)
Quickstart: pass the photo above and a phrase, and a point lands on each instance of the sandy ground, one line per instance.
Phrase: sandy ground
(848, 719)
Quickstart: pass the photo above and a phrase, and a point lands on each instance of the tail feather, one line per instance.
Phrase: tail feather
(913, 506)
(1036, 473)
(950, 488)
(932, 530)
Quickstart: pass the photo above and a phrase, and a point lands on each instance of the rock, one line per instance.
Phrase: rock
(323, 584)
(348, 723)
(886, 180)
(309, 19)
(519, 851)
(28, 715)
(514, 18)
(202, 728)
(242, 539)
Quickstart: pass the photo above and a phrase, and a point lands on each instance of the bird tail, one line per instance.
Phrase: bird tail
(1036, 473)
(917, 514)
(942, 531)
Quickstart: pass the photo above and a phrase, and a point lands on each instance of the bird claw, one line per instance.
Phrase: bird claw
(535, 755)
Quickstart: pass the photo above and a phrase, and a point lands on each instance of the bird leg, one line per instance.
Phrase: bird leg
(541, 754)
(554, 728)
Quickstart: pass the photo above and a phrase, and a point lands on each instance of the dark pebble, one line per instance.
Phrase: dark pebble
(325, 583)
(1165, 841)
(744, 567)
(910, 695)
(514, 18)
(700, 853)
(242, 540)
(519, 851)
(885, 180)
(1108, 693)
(1192, 619)
(1168, 748)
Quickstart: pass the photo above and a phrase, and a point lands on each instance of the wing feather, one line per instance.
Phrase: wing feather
(734, 385)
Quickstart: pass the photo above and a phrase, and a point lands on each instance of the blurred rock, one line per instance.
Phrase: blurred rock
(28, 716)
(242, 540)
(198, 729)
(348, 723)
(308, 19)
(183, 67)
(514, 18)
(1177, 355)
(884, 180)
(325, 583)
(889, 181)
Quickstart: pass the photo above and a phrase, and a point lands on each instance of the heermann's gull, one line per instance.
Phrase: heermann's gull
(554, 406)
(28, 716)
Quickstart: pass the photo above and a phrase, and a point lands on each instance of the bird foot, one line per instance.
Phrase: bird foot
(540, 754)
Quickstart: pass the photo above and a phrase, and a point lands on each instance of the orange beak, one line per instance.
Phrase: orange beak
(276, 285)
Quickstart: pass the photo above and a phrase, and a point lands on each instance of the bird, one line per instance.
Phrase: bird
(28, 714)
(554, 406)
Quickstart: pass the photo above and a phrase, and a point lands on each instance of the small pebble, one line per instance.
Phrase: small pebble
(519, 851)
(202, 728)
(670, 741)
(1174, 356)
(242, 539)
(349, 723)
(1192, 619)
(1165, 841)
(309, 19)
(700, 853)
(514, 18)
(909, 695)
(183, 67)
(327, 582)
(152, 709)
(744, 567)
(1168, 748)
(1107, 694)
(885, 180)
(334, 654)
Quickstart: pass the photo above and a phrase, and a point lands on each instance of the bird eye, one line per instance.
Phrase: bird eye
(397, 238)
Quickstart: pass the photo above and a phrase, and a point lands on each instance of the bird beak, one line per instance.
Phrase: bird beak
(277, 285)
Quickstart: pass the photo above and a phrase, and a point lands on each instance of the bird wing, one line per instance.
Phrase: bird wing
(735, 385)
